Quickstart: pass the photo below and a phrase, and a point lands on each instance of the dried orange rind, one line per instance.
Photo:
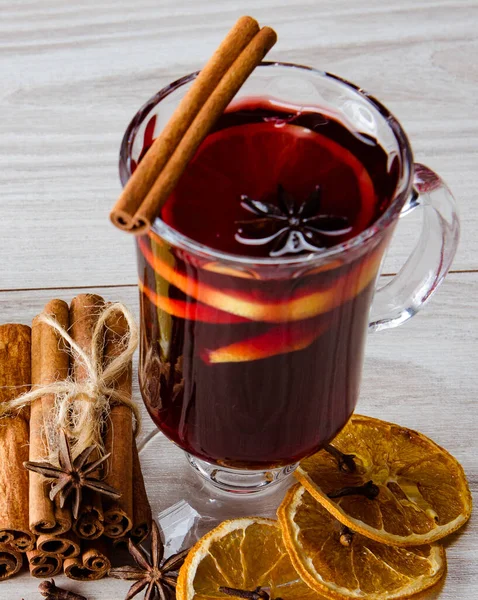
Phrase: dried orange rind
(412, 491)
(340, 564)
(243, 554)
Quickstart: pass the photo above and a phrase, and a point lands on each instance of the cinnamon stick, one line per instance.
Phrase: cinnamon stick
(125, 212)
(50, 363)
(42, 564)
(119, 438)
(10, 561)
(89, 525)
(212, 109)
(15, 379)
(93, 563)
(65, 546)
(142, 515)
(84, 313)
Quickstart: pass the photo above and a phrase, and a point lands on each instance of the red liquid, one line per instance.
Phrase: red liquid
(258, 367)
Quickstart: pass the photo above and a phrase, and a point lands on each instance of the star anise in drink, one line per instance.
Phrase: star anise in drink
(153, 573)
(290, 227)
(73, 476)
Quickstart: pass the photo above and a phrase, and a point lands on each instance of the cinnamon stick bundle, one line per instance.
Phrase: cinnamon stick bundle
(50, 363)
(84, 313)
(93, 563)
(219, 81)
(10, 561)
(15, 379)
(41, 354)
(119, 441)
(42, 564)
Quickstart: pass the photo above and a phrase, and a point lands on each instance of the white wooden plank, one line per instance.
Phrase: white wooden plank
(74, 74)
(422, 375)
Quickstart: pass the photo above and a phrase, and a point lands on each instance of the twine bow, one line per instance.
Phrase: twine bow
(82, 407)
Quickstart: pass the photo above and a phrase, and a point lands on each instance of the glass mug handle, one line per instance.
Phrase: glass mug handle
(421, 275)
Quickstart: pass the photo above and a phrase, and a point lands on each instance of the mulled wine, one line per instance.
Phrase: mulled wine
(251, 363)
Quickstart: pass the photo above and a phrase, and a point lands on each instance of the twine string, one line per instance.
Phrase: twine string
(82, 407)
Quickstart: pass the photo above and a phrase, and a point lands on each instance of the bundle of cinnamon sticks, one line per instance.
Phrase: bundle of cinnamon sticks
(30, 522)
(213, 89)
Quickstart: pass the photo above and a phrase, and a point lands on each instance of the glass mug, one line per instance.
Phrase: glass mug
(251, 364)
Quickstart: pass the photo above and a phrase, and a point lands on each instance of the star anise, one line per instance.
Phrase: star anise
(289, 226)
(73, 475)
(153, 574)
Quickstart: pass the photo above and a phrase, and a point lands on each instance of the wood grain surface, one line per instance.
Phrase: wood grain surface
(74, 73)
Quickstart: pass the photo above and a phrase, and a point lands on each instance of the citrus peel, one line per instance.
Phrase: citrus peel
(193, 311)
(245, 554)
(422, 495)
(277, 340)
(299, 306)
(356, 568)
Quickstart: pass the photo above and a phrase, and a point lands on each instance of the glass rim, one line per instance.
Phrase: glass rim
(184, 242)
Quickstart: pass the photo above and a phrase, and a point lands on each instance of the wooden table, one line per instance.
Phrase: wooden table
(73, 74)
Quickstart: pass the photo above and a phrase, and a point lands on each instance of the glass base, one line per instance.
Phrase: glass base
(172, 483)
(238, 481)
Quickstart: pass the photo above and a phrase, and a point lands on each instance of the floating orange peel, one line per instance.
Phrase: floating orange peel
(221, 269)
(278, 340)
(296, 308)
(193, 311)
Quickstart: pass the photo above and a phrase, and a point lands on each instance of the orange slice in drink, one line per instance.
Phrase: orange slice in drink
(252, 159)
(339, 563)
(223, 269)
(301, 305)
(278, 340)
(402, 489)
(243, 554)
(193, 311)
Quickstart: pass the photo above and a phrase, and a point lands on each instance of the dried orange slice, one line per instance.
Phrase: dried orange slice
(243, 554)
(412, 491)
(356, 567)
